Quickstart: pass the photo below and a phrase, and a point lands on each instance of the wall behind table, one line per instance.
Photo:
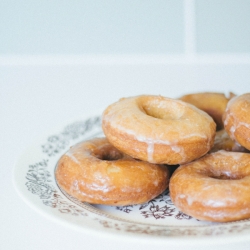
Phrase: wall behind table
(188, 44)
(124, 27)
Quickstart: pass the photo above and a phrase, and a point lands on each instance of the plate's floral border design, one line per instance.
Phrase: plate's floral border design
(152, 209)
(177, 231)
(39, 182)
(39, 177)
(56, 143)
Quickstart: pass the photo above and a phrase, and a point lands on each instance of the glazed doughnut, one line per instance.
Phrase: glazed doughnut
(211, 102)
(94, 171)
(237, 119)
(222, 141)
(158, 129)
(214, 188)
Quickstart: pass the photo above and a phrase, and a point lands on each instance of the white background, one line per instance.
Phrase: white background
(38, 94)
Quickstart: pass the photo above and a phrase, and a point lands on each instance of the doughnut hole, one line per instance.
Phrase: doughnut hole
(159, 109)
(224, 175)
(108, 153)
(229, 167)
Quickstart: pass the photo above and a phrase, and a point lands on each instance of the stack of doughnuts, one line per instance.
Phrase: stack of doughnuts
(220, 181)
(147, 135)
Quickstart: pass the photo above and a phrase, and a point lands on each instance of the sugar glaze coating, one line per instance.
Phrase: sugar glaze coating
(237, 119)
(214, 188)
(158, 129)
(96, 172)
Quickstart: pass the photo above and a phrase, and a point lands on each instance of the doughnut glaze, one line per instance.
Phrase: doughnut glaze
(223, 141)
(214, 188)
(237, 119)
(211, 102)
(158, 129)
(94, 171)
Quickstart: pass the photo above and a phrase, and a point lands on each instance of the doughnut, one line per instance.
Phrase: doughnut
(211, 102)
(237, 119)
(222, 141)
(214, 188)
(94, 171)
(158, 129)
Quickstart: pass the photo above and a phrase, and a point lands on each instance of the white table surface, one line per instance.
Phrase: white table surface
(35, 97)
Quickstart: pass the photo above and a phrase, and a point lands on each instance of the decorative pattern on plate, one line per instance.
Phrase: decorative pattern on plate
(56, 143)
(173, 231)
(153, 209)
(41, 182)
(38, 175)
(38, 183)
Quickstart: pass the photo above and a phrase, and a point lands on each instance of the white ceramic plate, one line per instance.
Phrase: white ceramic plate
(158, 220)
